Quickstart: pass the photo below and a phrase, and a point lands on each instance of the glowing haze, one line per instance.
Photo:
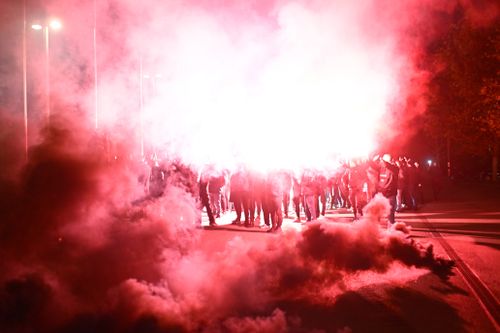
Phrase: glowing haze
(288, 84)
(285, 94)
(271, 84)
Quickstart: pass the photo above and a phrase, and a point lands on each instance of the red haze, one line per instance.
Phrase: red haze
(77, 255)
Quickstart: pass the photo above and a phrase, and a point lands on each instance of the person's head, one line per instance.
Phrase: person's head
(387, 158)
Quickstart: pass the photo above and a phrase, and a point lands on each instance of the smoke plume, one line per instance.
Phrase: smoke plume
(266, 83)
(78, 255)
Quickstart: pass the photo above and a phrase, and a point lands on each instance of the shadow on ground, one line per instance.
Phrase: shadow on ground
(382, 308)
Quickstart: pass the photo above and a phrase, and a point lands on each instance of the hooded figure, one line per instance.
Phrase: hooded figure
(388, 183)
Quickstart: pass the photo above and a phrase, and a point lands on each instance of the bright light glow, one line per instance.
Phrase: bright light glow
(55, 24)
(304, 91)
(36, 26)
(429, 162)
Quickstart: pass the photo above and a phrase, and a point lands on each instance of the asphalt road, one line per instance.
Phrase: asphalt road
(463, 224)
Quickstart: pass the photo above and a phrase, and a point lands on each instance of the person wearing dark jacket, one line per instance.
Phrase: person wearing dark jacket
(357, 179)
(204, 199)
(274, 192)
(308, 186)
(297, 197)
(321, 189)
(240, 194)
(287, 187)
(413, 184)
(388, 183)
(259, 185)
(215, 184)
(402, 185)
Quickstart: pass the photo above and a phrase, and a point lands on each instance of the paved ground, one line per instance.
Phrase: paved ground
(463, 224)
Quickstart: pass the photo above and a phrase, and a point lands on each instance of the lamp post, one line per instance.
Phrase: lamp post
(25, 85)
(141, 105)
(52, 25)
(96, 106)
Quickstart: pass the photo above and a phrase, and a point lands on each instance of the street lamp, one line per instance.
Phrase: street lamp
(25, 85)
(141, 104)
(96, 97)
(53, 24)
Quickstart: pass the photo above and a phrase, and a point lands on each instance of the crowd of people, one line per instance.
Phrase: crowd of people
(266, 197)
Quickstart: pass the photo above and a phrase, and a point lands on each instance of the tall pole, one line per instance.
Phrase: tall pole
(141, 105)
(448, 157)
(25, 85)
(47, 73)
(96, 106)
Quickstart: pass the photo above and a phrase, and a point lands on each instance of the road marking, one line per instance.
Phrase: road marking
(486, 298)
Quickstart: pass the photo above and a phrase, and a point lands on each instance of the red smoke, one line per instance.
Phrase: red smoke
(77, 255)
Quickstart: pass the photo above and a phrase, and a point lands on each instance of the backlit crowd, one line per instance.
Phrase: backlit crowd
(264, 199)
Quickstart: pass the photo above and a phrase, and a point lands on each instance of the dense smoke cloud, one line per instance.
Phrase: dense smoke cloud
(77, 255)
(223, 78)
(229, 82)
